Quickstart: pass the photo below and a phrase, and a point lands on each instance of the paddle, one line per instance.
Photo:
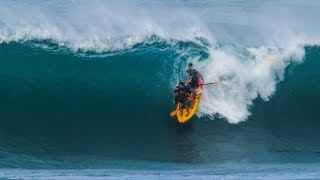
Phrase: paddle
(217, 82)
(174, 112)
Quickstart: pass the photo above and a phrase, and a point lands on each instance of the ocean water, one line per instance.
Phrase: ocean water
(87, 89)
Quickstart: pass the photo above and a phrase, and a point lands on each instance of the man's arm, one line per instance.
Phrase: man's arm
(176, 101)
(188, 75)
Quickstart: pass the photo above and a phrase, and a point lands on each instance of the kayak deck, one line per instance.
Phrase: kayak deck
(184, 118)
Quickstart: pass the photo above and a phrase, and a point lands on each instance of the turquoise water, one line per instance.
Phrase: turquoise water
(87, 89)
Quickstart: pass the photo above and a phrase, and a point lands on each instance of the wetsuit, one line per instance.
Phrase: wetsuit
(185, 89)
(193, 76)
(182, 98)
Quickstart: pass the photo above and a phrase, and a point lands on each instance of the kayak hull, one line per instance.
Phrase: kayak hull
(192, 111)
(200, 82)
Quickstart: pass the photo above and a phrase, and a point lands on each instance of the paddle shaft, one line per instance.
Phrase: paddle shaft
(207, 83)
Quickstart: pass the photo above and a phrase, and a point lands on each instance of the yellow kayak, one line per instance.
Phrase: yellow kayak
(184, 118)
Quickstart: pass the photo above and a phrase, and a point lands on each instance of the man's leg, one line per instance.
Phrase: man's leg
(187, 108)
(181, 109)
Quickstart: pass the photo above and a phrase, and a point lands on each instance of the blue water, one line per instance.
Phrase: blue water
(86, 89)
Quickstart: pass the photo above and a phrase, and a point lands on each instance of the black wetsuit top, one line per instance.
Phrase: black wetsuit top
(192, 72)
(184, 89)
(193, 78)
(181, 98)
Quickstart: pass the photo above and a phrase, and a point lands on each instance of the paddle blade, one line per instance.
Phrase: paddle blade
(173, 113)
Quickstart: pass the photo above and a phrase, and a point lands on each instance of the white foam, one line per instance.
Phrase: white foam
(95, 25)
(245, 75)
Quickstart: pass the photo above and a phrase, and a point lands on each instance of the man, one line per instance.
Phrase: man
(189, 91)
(193, 76)
(181, 98)
(182, 87)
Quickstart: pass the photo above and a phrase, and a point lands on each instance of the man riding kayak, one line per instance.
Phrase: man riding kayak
(185, 93)
(187, 89)
(188, 95)
(193, 76)
(181, 99)
(184, 88)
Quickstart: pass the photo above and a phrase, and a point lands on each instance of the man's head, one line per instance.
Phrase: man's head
(181, 84)
(190, 66)
(176, 92)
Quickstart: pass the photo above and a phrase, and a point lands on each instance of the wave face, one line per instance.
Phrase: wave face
(81, 80)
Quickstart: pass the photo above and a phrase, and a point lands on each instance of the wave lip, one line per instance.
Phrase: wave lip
(111, 26)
